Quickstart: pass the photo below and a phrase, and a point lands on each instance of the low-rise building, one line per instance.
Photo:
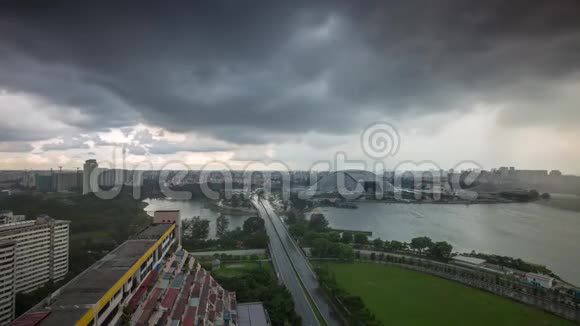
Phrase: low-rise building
(540, 280)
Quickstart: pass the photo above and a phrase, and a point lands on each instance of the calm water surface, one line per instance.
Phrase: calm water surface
(190, 208)
(530, 231)
(533, 232)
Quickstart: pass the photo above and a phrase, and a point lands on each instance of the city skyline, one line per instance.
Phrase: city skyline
(494, 83)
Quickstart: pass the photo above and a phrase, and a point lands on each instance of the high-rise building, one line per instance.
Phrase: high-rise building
(9, 217)
(89, 178)
(41, 252)
(6, 281)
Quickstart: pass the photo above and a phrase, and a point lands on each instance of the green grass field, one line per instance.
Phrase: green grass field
(235, 269)
(403, 297)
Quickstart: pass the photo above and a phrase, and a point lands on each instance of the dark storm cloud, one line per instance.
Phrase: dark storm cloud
(255, 72)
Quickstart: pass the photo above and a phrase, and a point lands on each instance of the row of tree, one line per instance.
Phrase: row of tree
(316, 234)
(252, 235)
(260, 285)
(325, 242)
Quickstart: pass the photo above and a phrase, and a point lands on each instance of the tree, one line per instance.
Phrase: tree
(310, 236)
(318, 223)
(222, 224)
(361, 239)
(378, 244)
(291, 218)
(253, 224)
(126, 316)
(297, 230)
(396, 246)
(257, 240)
(297, 202)
(320, 247)
(441, 250)
(334, 236)
(346, 237)
(373, 256)
(346, 253)
(421, 243)
(235, 201)
(199, 228)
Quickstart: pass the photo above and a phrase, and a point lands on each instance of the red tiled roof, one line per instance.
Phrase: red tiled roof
(169, 298)
(144, 319)
(148, 279)
(179, 309)
(152, 302)
(212, 298)
(190, 317)
(196, 291)
(137, 298)
(30, 319)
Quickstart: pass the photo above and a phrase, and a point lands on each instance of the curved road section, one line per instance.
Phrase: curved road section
(300, 263)
(285, 271)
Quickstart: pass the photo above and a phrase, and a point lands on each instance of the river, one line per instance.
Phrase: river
(191, 208)
(533, 232)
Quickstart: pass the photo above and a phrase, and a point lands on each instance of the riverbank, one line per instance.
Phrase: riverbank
(241, 211)
(533, 232)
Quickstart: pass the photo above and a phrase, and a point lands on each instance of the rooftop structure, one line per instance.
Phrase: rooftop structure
(468, 260)
(347, 183)
(544, 281)
(185, 294)
(252, 314)
(95, 296)
(7, 217)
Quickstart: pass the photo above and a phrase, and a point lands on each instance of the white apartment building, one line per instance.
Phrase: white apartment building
(41, 252)
(9, 217)
(6, 281)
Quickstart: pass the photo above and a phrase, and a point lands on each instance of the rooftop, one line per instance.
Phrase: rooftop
(252, 314)
(469, 260)
(152, 232)
(70, 303)
(40, 220)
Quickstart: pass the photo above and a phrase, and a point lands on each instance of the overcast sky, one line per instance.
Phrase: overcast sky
(495, 82)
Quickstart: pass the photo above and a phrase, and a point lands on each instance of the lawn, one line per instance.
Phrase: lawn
(236, 269)
(403, 297)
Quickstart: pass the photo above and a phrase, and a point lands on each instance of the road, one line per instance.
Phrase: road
(301, 265)
(284, 269)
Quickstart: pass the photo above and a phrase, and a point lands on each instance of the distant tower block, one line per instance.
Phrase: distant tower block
(88, 168)
(169, 217)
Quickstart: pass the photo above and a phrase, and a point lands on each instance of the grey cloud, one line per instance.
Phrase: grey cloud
(15, 147)
(67, 143)
(262, 72)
